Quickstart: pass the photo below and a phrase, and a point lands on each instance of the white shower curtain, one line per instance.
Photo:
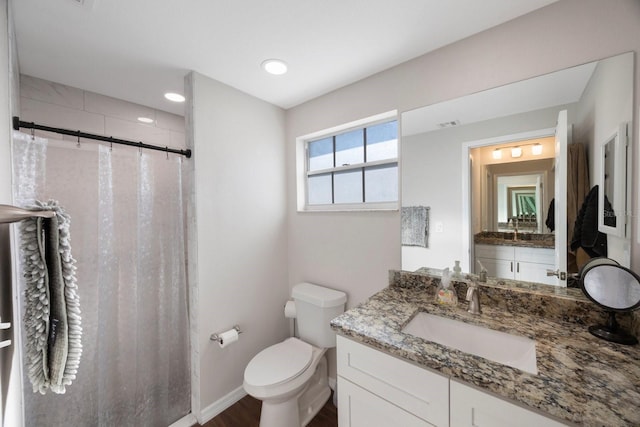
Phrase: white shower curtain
(127, 235)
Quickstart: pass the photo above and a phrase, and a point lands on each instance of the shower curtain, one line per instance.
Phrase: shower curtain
(127, 235)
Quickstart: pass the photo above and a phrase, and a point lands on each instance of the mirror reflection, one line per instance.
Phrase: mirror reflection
(526, 158)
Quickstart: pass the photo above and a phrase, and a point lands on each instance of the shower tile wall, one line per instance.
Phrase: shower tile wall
(57, 105)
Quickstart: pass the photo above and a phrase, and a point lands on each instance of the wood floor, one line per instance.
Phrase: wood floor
(246, 413)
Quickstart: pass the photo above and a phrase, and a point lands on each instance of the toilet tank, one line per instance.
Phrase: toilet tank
(315, 307)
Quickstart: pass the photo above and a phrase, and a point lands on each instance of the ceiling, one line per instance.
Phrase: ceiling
(138, 49)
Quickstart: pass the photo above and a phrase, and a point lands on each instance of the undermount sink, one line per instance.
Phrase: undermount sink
(511, 350)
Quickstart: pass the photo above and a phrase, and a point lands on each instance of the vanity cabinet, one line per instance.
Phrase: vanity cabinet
(517, 262)
(376, 389)
(472, 407)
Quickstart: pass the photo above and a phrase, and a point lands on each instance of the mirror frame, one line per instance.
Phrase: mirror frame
(619, 141)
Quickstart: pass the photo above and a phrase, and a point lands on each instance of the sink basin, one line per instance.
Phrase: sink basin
(511, 350)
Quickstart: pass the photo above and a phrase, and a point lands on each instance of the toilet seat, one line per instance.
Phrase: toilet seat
(279, 363)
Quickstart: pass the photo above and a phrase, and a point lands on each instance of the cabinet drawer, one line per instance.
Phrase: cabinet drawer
(494, 252)
(414, 389)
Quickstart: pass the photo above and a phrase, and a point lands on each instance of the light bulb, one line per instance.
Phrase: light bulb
(516, 152)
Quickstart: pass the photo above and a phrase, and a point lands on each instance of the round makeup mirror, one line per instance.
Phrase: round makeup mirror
(617, 290)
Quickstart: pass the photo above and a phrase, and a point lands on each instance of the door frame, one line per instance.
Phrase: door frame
(467, 234)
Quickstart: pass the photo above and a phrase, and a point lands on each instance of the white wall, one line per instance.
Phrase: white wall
(563, 34)
(241, 277)
(10, 378)
(604, 107)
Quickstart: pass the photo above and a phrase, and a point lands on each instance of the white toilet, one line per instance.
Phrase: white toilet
(291, 377)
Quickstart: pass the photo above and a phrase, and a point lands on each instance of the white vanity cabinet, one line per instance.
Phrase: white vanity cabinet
(379, 390)
(376, 389)
(471, 407)
(517, 262)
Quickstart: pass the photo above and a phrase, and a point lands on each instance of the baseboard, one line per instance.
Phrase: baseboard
(186, 421)
(332, 383)
(208, 413)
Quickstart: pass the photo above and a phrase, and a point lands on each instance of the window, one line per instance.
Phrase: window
(354, 168)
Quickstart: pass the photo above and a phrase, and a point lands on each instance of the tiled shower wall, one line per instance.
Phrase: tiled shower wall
(61, 106)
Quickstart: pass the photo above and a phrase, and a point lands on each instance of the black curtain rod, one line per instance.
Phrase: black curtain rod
(17, 124)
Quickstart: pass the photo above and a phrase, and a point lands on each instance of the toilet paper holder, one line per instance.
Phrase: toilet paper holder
(216, 337)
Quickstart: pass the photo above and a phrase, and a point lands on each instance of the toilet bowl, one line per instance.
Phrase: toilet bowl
(291, 377)
(291, 380)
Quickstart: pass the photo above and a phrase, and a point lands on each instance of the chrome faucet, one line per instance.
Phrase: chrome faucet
(473, 296)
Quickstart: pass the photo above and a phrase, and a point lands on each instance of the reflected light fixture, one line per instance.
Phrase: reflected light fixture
(175, 97)
(274, 66)
(497, 154)
(145, 119)
(536, 150)
(516, 152)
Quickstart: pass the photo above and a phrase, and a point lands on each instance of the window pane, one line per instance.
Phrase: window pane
(350, 148)
(320, 189)
(381, 183)
(382, 141)
(348, 186)
(321, 154)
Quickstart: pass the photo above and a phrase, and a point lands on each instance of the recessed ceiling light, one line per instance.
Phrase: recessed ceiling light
(175, 97)
(274, 66)
(145, 119)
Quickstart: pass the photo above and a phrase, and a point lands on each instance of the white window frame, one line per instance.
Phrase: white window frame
(302, 166)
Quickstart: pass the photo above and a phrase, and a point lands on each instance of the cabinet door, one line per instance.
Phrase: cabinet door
(532, 265)
(530, 272)
(498, 267)
(472, 408)
(361, 408)
(413, 389)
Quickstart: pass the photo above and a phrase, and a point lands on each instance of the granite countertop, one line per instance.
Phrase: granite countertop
(528, 240)
(581, 379)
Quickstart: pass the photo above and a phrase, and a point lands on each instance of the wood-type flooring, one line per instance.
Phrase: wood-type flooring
(246, 413)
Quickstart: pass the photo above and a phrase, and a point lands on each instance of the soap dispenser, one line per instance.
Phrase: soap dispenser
(457, 270)
(482, 276)
(446, 293)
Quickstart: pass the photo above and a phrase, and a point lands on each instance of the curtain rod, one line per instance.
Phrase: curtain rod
(17, 124)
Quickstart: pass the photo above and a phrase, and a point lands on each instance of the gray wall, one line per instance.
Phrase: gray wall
(352, 251)
(240, 275)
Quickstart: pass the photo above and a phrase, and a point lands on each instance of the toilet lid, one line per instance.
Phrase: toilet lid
(278, 363)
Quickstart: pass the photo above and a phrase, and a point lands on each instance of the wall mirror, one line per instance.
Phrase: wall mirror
(612, 157)
(463, 158)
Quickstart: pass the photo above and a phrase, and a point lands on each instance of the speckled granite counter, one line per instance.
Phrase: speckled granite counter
(530, 240)
(581, 379)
